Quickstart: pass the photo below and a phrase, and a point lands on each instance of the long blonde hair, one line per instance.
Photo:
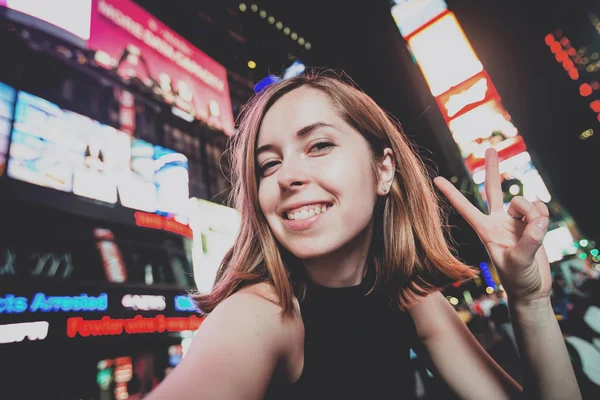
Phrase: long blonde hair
(409, 256)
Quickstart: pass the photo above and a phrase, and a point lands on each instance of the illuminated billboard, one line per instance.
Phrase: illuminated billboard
(65, 151)
(444, 54)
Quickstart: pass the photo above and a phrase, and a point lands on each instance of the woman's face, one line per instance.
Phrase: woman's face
(317, 186)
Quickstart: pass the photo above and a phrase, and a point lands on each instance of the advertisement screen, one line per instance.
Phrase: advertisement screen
(7, 101)
(131, 40)
(443, 43)
(66, 151)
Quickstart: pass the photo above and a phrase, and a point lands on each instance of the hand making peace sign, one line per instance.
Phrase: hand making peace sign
(512, 238)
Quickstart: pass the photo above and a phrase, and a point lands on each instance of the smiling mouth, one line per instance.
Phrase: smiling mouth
(306, 212)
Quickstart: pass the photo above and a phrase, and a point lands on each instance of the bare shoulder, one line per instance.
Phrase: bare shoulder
(432, 314)
(239, 348)
(255, 310)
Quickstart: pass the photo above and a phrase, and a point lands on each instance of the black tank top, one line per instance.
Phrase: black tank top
(355, 347)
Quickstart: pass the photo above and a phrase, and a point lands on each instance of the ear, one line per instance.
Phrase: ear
(386, 171)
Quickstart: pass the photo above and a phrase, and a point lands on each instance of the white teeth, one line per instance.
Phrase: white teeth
(303, 214)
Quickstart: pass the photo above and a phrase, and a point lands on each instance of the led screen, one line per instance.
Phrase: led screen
(7, 100)
(66, 151)
(444, 54)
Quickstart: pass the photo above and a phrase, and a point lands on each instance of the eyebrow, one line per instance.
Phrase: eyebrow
(301, 132)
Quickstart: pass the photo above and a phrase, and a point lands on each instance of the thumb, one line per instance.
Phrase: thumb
(531, 240)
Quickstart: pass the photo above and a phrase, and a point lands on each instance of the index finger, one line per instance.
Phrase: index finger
(471, 214)
(493, 183)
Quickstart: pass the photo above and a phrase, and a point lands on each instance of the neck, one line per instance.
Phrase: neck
(343, 267)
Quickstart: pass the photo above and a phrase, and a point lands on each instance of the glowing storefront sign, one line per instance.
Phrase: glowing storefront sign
(185, 303)
(444, 54)
(144, 302)
(108, 326)
(14, 333)
(11, 304)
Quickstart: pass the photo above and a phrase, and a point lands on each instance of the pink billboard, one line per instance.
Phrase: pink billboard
(136, 44)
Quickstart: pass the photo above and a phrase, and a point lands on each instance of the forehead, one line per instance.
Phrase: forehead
(295, 110)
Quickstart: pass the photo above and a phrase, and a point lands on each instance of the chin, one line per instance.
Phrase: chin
(310, 250)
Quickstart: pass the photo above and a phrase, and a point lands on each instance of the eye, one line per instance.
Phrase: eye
(268, 166)
(321, 146)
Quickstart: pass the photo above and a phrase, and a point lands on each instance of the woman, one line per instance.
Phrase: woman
(339, 263)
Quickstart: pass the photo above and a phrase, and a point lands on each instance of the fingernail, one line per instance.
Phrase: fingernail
(543, 223)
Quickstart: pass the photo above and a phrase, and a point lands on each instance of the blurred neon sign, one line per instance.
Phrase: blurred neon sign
(155, 221)
(14, 333)
(144, 302)
(475, 93)
(487, 275)
(108, 326)
(11, 304)
(466, 96)
(185, 303)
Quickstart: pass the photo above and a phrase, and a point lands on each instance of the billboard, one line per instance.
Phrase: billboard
(130, 39)
(69, 152)
(444, 54)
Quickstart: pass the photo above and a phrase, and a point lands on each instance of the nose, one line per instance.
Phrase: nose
(292, 174)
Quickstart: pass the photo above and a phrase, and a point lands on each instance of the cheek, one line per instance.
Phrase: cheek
(267, 199)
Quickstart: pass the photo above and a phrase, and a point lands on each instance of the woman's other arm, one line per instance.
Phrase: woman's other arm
(457, 356)
(236, 351)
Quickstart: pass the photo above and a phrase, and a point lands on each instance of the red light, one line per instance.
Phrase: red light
(549, 39)
(568, 64)
(107, 326)
(595, 85)
(572, 52)
(555, 47)
(154, 221)
(595, 105)
(574, 74)
(585, 89)
(562, 56)
(565, 42)
(598, 117)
